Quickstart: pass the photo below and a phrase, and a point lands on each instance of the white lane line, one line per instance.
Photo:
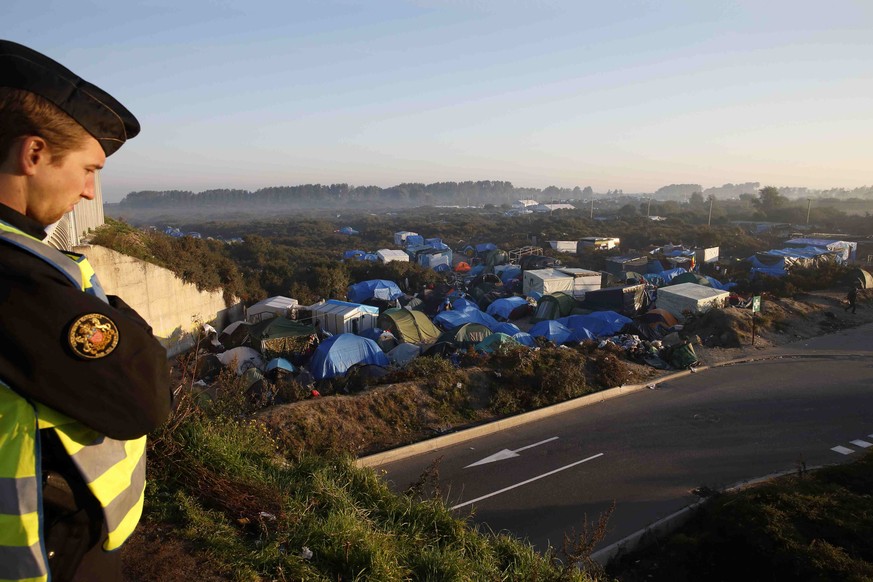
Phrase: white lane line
(842, 450)
(862, 444)
(511, 487)
(535, 444)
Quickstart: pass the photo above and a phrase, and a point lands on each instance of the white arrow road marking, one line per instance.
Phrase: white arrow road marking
(507, 454)
(511, 487)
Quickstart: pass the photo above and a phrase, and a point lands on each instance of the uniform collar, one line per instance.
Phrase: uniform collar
(22, 222)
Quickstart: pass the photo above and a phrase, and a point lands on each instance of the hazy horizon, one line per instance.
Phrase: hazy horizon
(631, 96)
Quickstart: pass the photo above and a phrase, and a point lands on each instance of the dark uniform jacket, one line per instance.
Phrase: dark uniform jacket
(123, 395)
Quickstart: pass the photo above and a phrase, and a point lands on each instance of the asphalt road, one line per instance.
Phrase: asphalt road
(810, 402)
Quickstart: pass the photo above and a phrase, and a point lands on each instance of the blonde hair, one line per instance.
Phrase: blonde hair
(23, 113)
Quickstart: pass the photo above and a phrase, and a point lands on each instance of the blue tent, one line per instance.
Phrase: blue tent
(347, 230)
(281, 364)
(525, 339)
(507, 328)
(552, 331)
(510, 273)
(503, 307)
(335, 355)
(378, 288)
(456, 317)
(599, 323)
(354, 254)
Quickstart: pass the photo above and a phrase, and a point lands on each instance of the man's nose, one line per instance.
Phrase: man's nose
(90, 186)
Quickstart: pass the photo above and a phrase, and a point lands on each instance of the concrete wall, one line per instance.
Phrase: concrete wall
(167, 303)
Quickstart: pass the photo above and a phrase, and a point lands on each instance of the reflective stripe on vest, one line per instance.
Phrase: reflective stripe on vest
(113, 470)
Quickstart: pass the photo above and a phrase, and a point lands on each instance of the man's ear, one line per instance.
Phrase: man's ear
(33, 152)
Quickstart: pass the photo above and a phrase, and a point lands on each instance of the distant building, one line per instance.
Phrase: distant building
(552, 207)
(522, 204)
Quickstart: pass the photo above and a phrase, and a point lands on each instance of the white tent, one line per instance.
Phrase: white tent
(388, 255)
(692, 297)
(244, 357)
(277, 306)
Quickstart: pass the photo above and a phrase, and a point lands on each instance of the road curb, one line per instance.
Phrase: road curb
(460, 436)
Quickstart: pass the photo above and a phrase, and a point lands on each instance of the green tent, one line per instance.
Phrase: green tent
(553, 306)
(412, 327)
(280, 337)
(493, 342)
(465, 335)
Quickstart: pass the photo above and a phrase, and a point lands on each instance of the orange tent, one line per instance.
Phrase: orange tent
(462, 267)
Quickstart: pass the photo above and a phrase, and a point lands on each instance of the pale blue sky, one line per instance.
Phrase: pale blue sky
(631, 94)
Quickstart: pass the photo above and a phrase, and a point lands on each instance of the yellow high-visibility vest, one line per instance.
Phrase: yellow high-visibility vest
(113, 470)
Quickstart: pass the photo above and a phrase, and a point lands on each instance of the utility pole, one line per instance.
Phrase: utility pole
(808, 207)
(648, 208)
(592, 209)
(709, 220)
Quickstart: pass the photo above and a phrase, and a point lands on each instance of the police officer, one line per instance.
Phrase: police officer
(82, 378)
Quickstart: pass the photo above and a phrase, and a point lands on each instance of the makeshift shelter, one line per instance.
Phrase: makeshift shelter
(463, 336)
(691, 297)
(281, 338)
(690, 278)
(243, 357)
(279, 368)
(656, 323)
(374, 289)
(535, 262)
(627, 300)
(777, 262)
(408, 326)
(277, 306)
(594, 243)
(553, 306)
(401, 236)
(356, 255)
(574, 281)
(343, 317)
(207, 367)
(847, 250)
(348, 230)
(551, 330)
(235, 334)
(335, 355)
(403, 354)
(493, 342)
(389, 255)
(616, 265)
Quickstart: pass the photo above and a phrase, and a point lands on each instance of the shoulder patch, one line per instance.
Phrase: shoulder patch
(93, 336)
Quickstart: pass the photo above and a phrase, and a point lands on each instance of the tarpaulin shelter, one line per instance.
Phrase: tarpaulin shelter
(493, 342)
(408, 326)
(335, 355)
(348, 230)
(374, 289)
(552, 331)
(847, 250)
(281, 338)
(655, 323)
(777, 262)
(599, 323)
(553, 306)
(465, 335)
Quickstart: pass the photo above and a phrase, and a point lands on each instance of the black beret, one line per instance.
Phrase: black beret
(94, 109)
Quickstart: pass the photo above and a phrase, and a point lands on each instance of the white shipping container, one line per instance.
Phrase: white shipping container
(690, 297)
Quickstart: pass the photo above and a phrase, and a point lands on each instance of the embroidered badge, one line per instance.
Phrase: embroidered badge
(93, 336)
